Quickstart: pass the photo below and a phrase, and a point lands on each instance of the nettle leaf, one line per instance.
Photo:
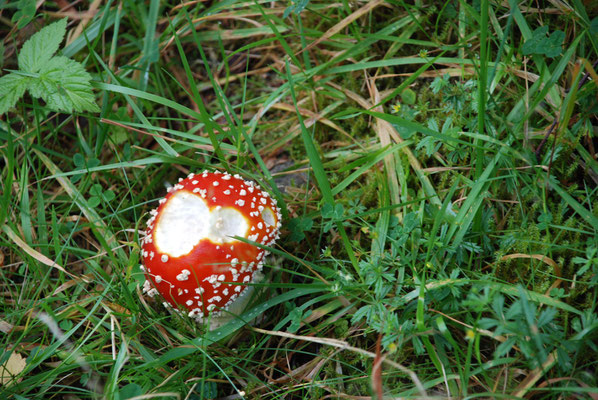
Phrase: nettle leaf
(38, 50)
(65, 86)
(61, 82)
(539, 43)
(12, 88)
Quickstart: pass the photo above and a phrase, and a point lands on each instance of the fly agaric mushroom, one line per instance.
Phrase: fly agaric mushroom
(190, 254)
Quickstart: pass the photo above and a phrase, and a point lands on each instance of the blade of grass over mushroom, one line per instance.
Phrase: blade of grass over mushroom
(233, 121)
(32, 252)
(320, 173)
(248, 141)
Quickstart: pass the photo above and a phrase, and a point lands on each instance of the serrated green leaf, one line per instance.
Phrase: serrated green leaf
(65, 86)
(12, 88)
(38, 50)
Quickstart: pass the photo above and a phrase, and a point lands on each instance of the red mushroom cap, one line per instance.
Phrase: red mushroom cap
(190, 254)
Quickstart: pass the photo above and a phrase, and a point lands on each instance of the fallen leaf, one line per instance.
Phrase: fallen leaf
(11, 368)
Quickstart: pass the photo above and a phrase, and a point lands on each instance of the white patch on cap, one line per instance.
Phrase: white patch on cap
(268, 216)
(226, 223)
(186, 219)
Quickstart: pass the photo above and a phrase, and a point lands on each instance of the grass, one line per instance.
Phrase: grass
(435, 164)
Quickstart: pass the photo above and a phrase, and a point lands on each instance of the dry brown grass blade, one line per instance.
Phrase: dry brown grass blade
(341, 344)
(32, 252)
(369, 6)
(535, 375)
(384, 131)
(547, 382)
(539, 257)
(413, 161)
(555, 267)
(89, 14)
(71, 283)
(100, 227)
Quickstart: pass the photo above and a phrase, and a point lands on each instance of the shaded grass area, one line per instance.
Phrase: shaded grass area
(435, 164)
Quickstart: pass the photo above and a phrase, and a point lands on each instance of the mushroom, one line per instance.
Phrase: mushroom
(191, 255)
